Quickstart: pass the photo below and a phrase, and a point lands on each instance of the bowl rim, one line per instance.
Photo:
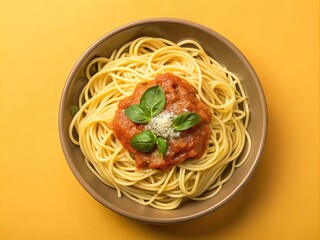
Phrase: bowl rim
(165, 220)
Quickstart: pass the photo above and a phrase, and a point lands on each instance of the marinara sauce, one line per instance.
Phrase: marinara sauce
(180, 98)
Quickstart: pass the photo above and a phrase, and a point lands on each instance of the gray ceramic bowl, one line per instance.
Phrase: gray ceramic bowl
(218, 47)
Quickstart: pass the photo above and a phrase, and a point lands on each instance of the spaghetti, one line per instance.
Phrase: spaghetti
(115, 78)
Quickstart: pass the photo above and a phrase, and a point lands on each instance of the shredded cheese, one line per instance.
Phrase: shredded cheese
(161, 125)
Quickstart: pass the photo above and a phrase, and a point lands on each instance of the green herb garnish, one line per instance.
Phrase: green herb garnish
(74, 110)
(152, 102)
(138, 114)
(144, 141)
(186, 121)
(162, 145)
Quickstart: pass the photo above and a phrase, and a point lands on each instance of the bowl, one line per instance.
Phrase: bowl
(218, 47)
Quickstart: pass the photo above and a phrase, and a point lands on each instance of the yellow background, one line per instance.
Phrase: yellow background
(41, 40)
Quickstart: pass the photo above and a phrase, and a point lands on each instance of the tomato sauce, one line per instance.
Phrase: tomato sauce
(180, 97)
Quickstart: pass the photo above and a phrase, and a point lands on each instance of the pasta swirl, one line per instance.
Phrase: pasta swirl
(115, 78)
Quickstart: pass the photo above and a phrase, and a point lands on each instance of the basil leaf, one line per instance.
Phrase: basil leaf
(137, 114)
(186, 121)
(144, 141)
(162, 145)
(153, 100)
(74, 110)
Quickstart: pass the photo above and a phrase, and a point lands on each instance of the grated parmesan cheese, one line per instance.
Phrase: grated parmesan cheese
(161, 125)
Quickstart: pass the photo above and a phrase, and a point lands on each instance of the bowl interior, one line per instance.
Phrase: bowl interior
(175, 30)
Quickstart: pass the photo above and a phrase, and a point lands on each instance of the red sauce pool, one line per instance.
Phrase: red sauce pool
(180, 96)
